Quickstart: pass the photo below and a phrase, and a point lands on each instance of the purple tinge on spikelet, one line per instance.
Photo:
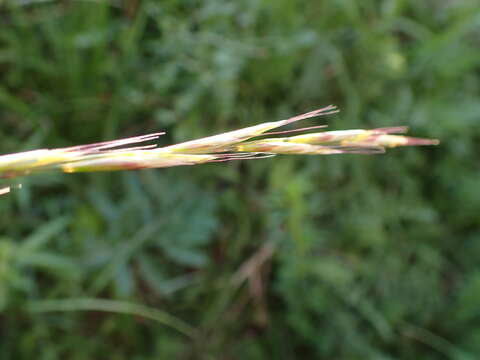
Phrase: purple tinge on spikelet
(420, 141)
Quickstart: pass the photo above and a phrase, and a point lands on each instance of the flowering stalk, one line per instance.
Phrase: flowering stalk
(233, 145)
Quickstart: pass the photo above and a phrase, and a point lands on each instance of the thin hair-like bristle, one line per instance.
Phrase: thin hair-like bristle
(295, 130)
(359, 149)
(115, 143)
(330, 109)
(242, 156)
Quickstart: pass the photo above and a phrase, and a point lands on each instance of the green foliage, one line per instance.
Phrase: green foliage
(375, 258)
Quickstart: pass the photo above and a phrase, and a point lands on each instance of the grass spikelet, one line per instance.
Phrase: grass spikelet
(218, 143)
(233, 145)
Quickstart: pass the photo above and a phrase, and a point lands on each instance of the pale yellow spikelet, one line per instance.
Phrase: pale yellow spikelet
(232, 145)
(222, 142)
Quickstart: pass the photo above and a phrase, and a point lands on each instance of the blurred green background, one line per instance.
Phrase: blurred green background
(334, 257)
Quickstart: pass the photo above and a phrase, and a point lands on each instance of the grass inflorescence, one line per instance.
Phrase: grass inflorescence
(233, 145)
